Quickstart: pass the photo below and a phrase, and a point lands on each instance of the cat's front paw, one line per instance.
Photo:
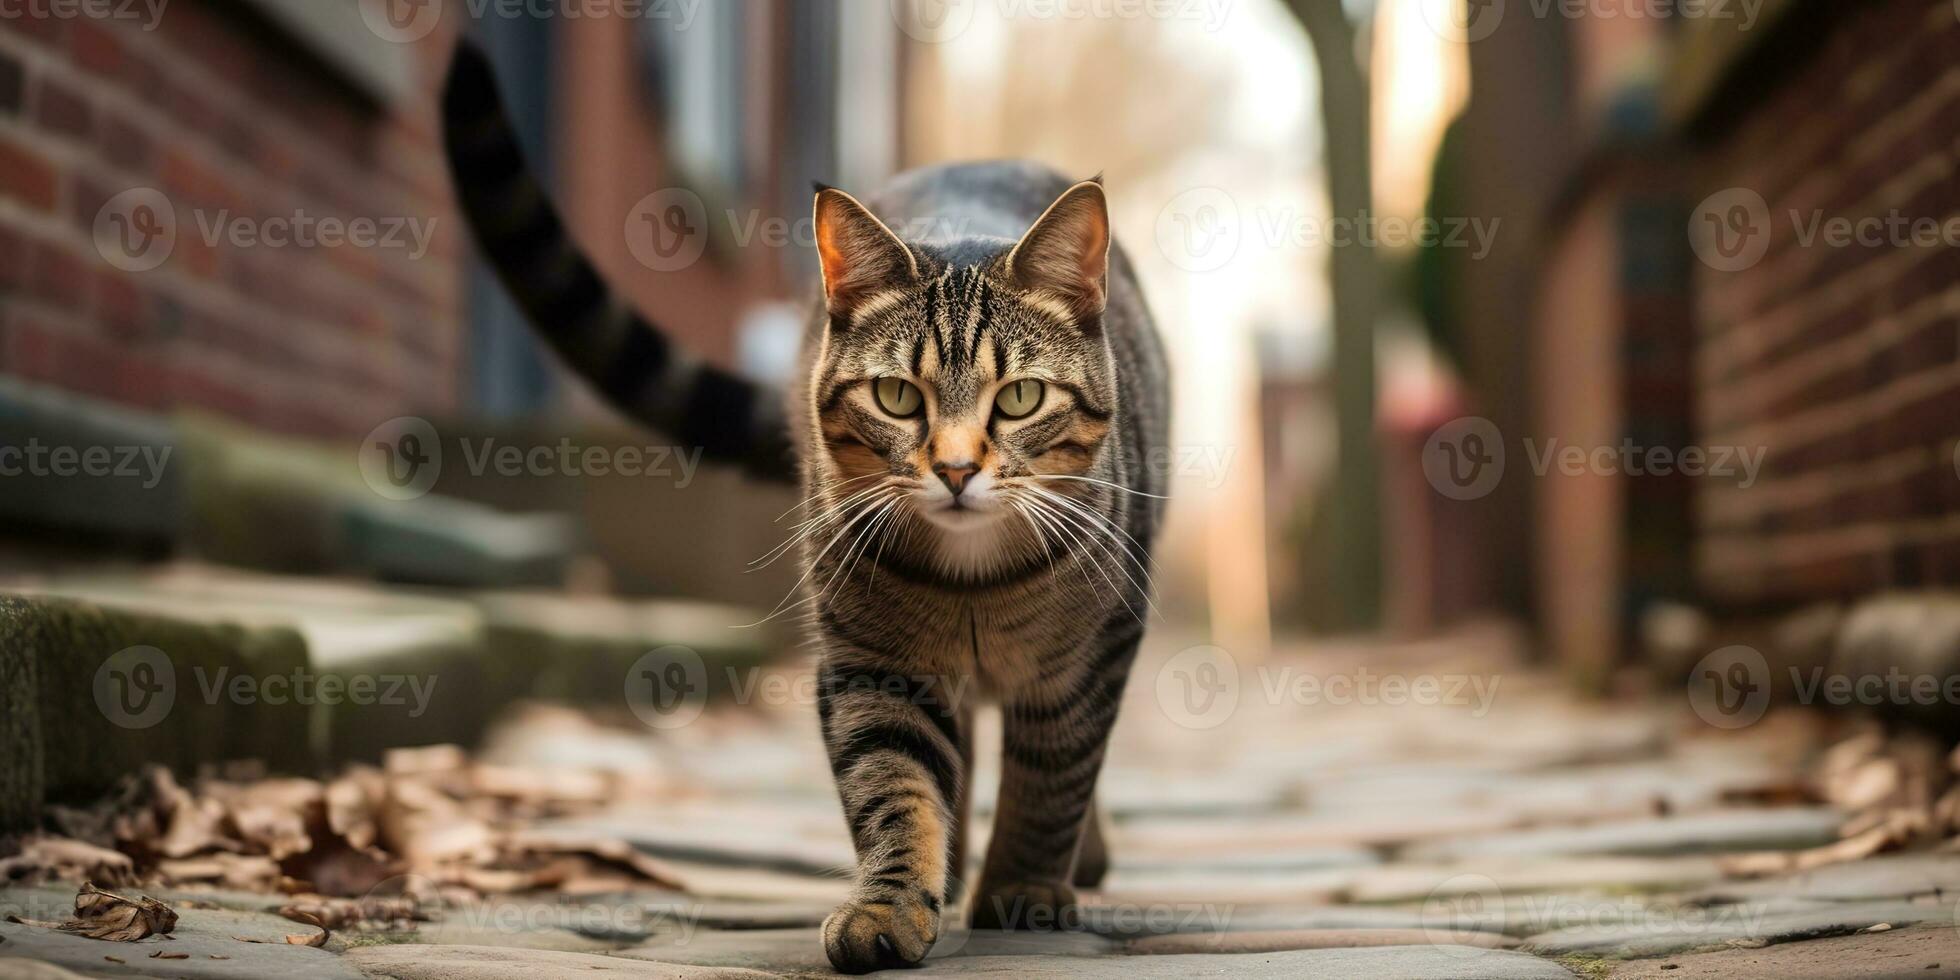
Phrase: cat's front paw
(1032, 906)
(862, 936)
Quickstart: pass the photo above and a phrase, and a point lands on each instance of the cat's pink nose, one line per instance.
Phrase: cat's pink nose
(955, 475)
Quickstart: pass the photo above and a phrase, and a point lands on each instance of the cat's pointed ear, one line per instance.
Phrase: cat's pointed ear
(861, 257)
(1065, 256)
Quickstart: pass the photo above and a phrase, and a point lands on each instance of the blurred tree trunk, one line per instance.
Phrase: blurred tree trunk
(1353, 522)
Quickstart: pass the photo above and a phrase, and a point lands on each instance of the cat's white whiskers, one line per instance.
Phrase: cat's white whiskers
(1084, 542)
(1090, 479)
(811, 526)
(785, 605)
(839, 485)
(1139, 555)
(846, 564)
(1075, 512)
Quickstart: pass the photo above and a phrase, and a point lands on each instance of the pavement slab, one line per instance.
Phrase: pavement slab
(1920, 951)
(209, 939)
(1714, 831)
(801, 950)
(1886, 876)
(500, 963)
(1736, 925)
(1372, 963)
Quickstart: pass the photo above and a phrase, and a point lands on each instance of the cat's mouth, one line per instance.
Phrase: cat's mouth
(962, 513)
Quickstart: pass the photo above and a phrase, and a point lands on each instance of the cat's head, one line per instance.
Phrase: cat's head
(959, 377)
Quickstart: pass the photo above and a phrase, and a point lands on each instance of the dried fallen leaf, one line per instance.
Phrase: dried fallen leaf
(314, 941)
(241, 871)
(608, 853)
(345, 913)
(161, 955)
(115, 959)
(46, 857)
(298, 939)
(108, 916)
(351, 803)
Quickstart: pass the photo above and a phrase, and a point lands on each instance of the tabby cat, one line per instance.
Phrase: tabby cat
(971, 428)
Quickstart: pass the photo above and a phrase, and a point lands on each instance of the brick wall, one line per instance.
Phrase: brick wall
(227, 118)
(1841, 362)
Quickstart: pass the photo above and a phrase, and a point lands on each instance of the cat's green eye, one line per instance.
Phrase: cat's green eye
(1019, 399)
(898, 397)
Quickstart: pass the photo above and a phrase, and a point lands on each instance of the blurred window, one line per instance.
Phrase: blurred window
(697, 69)
(510, 375)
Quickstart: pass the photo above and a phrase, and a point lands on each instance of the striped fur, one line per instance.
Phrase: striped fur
(627, 359)
(1043, 614)
(1032, 593)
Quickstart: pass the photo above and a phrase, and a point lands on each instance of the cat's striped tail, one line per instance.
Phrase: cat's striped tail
(598, 335)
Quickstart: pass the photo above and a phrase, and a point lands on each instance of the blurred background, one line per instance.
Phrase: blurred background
(1623, 331)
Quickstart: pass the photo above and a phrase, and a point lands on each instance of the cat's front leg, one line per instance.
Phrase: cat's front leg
(895, 742)
(1053, 741)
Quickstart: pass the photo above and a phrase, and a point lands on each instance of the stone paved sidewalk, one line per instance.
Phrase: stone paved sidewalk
(1411, 812)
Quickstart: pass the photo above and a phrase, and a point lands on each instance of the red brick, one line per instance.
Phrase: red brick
(27, 176)
(61, 278)
(14, 250)
(125, 309)
(61, 109)
(46, 30)
(99, 51)
(125, 144)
